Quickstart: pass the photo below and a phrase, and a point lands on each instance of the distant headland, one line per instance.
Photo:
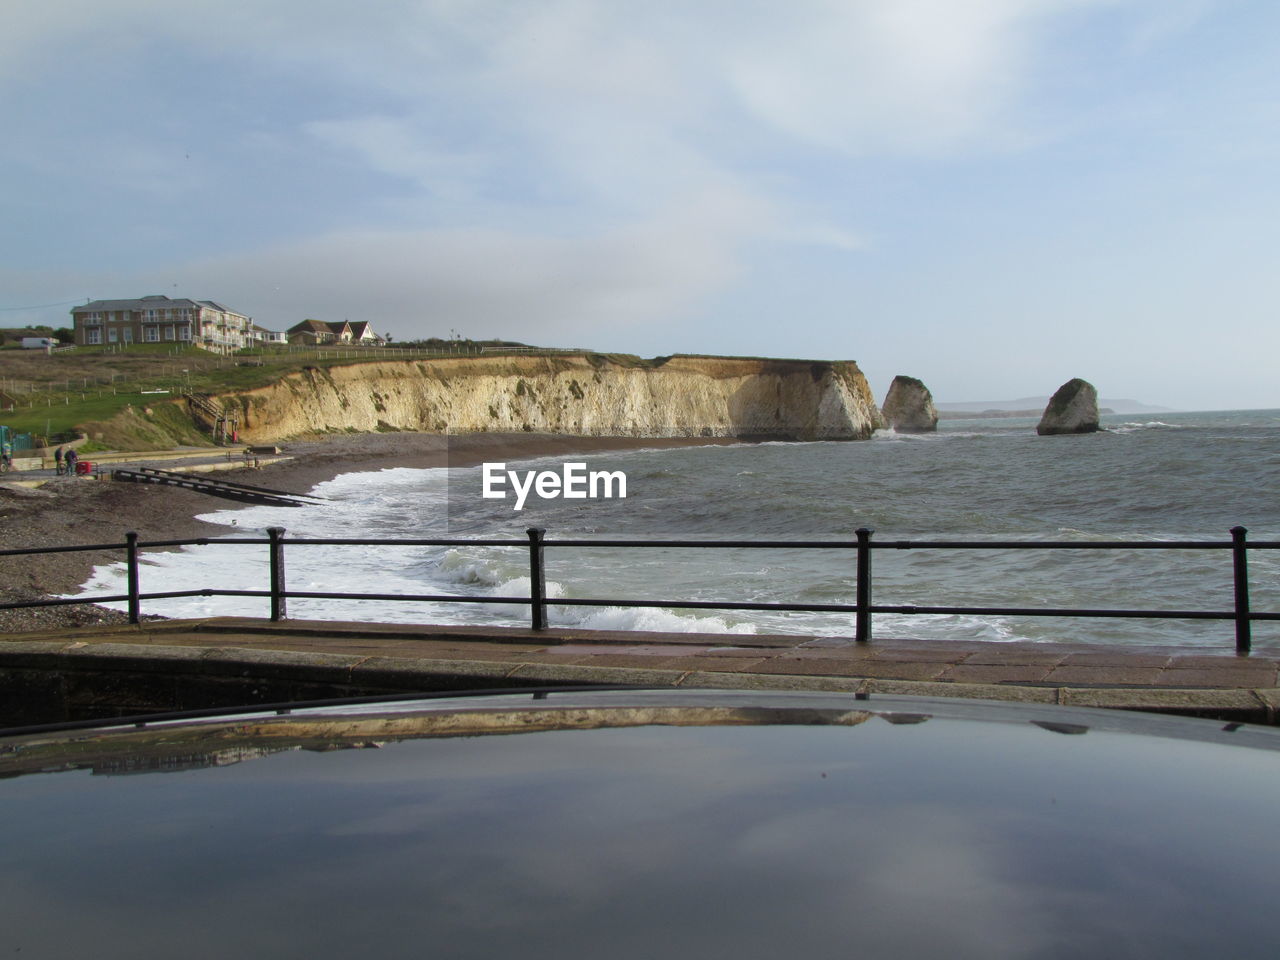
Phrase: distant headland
(1032, 407)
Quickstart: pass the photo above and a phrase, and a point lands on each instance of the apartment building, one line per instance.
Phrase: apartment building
(159, 319)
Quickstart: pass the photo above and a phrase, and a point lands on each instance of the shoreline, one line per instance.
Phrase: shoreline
(317, 461)
(76, 511)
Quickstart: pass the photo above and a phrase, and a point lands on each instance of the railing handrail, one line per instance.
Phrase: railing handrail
(537, 542)
(676, 544)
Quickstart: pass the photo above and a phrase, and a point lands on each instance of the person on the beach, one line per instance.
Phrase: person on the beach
(70, 458)
(57, 460)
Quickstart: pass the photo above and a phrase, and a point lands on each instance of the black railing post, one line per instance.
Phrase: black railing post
(537, 580)
(279, 608)
(131, 553)
(862, 619)
(1240, 576)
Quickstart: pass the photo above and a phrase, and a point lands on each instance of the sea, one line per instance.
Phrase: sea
(1148, 478)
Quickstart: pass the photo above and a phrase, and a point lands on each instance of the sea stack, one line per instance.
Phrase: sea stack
(1073, 409)
(908, 407)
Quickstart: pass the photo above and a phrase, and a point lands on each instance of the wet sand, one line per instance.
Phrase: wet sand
(75, 511)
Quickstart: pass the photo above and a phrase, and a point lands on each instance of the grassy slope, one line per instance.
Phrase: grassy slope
(79, 389)
(100, 391)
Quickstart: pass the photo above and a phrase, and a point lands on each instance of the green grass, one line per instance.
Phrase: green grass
(54, 418)
(67, 392)
(60, 393)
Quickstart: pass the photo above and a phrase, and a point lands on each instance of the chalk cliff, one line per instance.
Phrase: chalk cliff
(586, 395)
(1073, 409)
(908, 407)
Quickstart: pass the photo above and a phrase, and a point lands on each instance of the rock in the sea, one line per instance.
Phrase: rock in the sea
(908, 407)
(1073, 409)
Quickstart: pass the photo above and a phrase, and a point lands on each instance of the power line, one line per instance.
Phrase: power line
(40, 306)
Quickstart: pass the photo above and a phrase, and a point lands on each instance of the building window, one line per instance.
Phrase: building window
(93, 336)
(150, 334)
(128, 334)
(168, 333)
(184, 332)
(113, 334)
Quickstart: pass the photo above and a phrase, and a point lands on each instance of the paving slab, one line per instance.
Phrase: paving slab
(903, 653)
(850, 668)
(714, 664)
(1104, 675)
(1116, 658)
(1162, 678)
(997, 673)
(1257, 676)
(1008, 654)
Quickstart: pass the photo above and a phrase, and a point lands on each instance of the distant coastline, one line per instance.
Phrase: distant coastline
(1033, 407)
(997, 414)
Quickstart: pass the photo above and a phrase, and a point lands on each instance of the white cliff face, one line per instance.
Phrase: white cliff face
(908, 407)
(1072, 409)
(572, 395)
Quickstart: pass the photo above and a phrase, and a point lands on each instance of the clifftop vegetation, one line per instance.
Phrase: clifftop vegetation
(59, 394)
(133, 399)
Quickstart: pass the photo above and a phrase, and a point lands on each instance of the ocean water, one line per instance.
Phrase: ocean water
(1176, 477)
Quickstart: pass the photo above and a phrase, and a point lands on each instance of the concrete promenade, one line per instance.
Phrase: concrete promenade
(37, 471)
(312, 659)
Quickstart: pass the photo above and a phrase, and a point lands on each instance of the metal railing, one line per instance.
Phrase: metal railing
(863, 548)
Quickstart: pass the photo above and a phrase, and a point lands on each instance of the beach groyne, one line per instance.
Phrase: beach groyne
(589, 395)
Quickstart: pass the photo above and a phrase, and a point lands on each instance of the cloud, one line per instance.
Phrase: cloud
(907, 76)
(567, 171)
(523, 285)
(873, 76)
(817, 234)
(393, 146)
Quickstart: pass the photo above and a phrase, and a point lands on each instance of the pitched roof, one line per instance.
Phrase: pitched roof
(151, 302)
(219, 307)
(312, 326)
(361, 330)
(137, 303)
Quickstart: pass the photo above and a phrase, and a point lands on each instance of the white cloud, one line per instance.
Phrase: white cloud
(865, 76)
(491, 282)
(888, 77)
(1167, 20)
(393, 146)
(825, 235)
(565, 171)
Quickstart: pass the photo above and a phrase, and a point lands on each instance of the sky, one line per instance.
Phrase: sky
(994, 196)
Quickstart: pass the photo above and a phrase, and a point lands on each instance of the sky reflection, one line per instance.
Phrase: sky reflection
(881, 840)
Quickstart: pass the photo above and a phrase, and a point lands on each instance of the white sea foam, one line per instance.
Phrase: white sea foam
(1004, 484)
(650, 619)
(890, 435)
(516, 587)
(479, 566)
(1135, 425)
